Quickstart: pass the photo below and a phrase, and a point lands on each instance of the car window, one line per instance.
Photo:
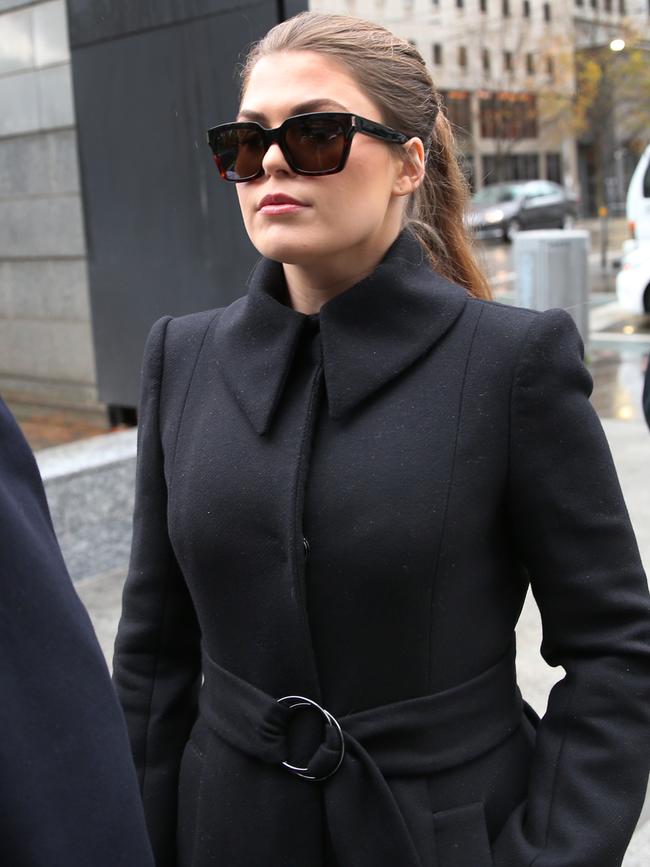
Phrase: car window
(495, 193)
(536, 189)
(646, 183)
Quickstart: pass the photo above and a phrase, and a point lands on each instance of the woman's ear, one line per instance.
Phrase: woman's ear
(411, 168)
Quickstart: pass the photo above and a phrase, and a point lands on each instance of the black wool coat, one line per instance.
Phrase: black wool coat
(346, 508)
(68, 790)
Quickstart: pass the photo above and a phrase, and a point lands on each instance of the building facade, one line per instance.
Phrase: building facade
(112, 212)
(506, 72)
(46, 346)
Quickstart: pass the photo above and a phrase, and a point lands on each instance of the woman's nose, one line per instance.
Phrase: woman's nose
(274, 161)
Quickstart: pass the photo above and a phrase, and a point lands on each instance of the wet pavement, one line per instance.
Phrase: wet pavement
(619, 343)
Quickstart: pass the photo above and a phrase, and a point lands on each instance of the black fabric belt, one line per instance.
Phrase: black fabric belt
(417, 736)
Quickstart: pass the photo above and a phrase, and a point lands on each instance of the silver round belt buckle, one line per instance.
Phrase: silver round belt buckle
(300, 701)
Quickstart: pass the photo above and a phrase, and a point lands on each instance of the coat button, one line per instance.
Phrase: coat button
(305, 545)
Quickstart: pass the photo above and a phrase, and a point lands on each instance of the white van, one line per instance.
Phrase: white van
(637, 205)
(633, 280)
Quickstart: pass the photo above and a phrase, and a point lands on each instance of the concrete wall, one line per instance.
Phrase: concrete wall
(46, 348)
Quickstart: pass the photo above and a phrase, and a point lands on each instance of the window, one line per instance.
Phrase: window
(547, 11)
(507, 61)
(530, 64)
(485, 60)
(554, 168)
(483, 5)
(437, 54)
(457, 107)
(608, 5)
(526, 8)
(460, 4)
(505, 8)
(508, 115)
(462, 56)
(621, 7)
(580, 2)
(594, 4)
(536, 190)
(550, 67)
(510, 167)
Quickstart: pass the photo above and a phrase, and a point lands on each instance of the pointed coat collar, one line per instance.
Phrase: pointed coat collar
(370, 332)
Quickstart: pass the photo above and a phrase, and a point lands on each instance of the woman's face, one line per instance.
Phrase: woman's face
(341, 217)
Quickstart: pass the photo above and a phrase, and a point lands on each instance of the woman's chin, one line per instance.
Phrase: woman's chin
(288, 245)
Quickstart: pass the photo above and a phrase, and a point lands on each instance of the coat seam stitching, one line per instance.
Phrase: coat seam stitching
(161, 630)
(519, 358)
(172, 465)
(443, 526)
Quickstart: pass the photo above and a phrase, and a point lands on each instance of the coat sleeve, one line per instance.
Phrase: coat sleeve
(68, 791)
(573, 534)
(156, 665)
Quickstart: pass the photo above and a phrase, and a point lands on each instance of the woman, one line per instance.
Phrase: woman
(346, 480)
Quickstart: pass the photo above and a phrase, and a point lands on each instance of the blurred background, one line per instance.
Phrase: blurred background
(112, 214)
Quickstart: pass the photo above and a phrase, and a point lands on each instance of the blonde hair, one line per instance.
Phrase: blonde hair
(393, 74)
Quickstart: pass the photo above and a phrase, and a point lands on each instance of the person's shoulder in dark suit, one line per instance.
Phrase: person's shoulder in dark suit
(68, 790)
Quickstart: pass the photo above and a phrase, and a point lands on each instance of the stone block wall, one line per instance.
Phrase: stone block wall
(46, 349)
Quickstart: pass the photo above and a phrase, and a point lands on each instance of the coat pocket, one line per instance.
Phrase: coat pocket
(461, 837)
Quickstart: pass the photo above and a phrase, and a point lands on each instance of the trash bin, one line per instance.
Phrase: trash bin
(551, 270)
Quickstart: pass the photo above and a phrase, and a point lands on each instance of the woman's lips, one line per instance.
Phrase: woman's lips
(278, 204)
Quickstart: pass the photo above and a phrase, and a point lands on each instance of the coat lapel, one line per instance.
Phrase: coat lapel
(370, 333)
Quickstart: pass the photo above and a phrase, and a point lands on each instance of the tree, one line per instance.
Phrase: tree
(609, 106)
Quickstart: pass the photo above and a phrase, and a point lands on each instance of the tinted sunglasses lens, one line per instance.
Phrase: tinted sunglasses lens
(315, 144)
(238, 152)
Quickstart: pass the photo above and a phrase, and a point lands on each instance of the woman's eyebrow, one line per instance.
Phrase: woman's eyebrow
(301, 108)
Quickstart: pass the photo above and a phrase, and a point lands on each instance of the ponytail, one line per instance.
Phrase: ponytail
(435, 214)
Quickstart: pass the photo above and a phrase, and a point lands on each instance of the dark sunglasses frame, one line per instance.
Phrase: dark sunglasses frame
(352, 124)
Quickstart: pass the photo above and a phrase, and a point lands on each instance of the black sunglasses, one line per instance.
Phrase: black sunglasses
(312, 144)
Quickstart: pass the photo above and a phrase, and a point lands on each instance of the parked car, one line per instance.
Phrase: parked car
(633, 280)
(505, 208)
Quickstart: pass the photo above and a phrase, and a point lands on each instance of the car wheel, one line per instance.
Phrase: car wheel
(511, 230)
